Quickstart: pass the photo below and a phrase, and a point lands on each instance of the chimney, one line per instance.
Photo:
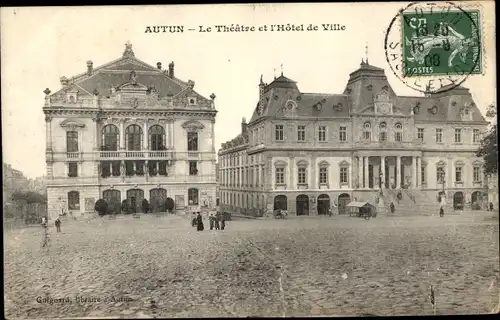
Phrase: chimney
(243, 125)
(158, 65)
(171, 69)
(90, 67)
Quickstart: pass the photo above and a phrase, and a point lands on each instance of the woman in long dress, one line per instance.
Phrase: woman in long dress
(199, 223)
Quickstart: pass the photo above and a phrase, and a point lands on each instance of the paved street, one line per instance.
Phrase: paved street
(297, 267)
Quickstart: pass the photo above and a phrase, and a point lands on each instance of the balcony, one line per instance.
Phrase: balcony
(119, 155)
(73, 155)
(385, 144)
(194, 155)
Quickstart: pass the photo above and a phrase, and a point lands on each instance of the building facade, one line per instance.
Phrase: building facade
(306, 151)
(128, 131)
(13, 180)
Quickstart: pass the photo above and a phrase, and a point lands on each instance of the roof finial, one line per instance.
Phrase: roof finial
(261, 81)
(362, 61)
(128, 50)
(274, 72)
(282, 69)
(366, 52)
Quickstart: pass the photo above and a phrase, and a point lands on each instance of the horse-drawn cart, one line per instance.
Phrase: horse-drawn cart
(362, 210)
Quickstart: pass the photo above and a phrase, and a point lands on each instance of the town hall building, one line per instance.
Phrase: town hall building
(308, 152)
(127, 131)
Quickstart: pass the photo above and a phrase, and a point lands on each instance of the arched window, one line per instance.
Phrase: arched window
(192, 141)
(193, 196)
(133, 135)
(398, 132)
(383, 131)
(157, 138)
(73, 200)
(71, 141)
(367, 131)
(110, 137)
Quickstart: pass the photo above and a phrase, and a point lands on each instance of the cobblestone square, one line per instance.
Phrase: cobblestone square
(295, 267)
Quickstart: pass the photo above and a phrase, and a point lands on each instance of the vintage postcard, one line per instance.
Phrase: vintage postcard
(250, 160)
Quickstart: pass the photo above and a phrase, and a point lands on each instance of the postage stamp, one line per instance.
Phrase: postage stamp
(435, 46)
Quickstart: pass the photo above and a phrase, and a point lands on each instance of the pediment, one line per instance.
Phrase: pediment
(441, 163)
(477, 163)
(133, 86)
(72, 124)
(382, 96)
(193, 125)
(302, 163)
(280, 163)
(324, 163)
(131, 65)
(344, 163)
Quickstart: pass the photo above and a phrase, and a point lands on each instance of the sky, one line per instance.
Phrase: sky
(40, 45)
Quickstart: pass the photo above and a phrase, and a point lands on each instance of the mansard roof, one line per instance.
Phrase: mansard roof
(116, 73)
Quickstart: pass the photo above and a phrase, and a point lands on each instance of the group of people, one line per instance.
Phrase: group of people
(216, 221)
(57, 222)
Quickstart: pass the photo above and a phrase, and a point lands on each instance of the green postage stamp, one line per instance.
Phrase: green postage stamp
(441, 42)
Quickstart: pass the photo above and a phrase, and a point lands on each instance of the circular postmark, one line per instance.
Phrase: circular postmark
(434, 47)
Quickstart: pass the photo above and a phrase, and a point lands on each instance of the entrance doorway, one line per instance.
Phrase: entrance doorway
(323, 204)
(302, 205)
(344, 200)
(134, 198)
(477, 200)
(458, 200)
(370, 176)
(280, 202)
(113, 198)
(157, 198)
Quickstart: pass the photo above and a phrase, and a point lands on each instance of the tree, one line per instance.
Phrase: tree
(101, 206)
(489, 145)
(29, 197)
(169, 204)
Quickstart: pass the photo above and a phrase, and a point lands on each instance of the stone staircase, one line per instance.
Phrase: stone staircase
(413, 203)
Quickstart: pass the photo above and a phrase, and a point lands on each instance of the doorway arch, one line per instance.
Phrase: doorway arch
(343, 201)
(134, 199)
(323, 203)
(476, 200)
(302, 203)
(157, 198)
(458, 200)
(280, 202)
(114, 200)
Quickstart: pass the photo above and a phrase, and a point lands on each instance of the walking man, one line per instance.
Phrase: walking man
(58, 224)
(216, 221)
(441, 211)
(211, 218)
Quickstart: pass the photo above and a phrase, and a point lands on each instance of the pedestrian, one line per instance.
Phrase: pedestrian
(193, 219)
(58, 224)
(392, 207)
(211, 219)
(216, 221)
(441, 211)
(199, 222)
(222, 222)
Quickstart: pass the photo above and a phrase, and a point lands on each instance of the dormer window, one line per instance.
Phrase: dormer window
(192, 101)
(367, 131)
(72, 96)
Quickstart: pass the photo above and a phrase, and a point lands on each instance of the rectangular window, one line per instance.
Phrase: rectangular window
(458, 174)
(301, 176)
(439, 135)
(344, 176)
(116, 167)
(440, 174)
(458, 135)
(383, 136)
(398, 136)
(422, 175)
(280, 175)
(73, 200)
(323, 175)
(72, 169)
(322, 133)
(367, 135)
(420, 134)
(301, 133)
(193, 168)
(192, 141)
(279, 132)
(477, 174)
(343, 134)
(71, 141)
(193, 196)
(475, 135)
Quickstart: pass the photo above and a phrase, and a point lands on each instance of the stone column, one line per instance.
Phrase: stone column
(122, 135)
(366, 160)
(382, 171)
(360, 171)
(419, 172)
(351, 179)
(398, 172)
(48, 132)
(146, 136)
(414, 172)
(313, 178)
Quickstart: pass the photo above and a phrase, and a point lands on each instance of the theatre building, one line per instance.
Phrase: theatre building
(306, 151)
(127, 131)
